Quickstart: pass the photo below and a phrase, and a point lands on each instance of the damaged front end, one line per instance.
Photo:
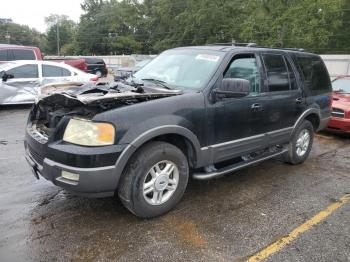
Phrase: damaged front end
(85, 101)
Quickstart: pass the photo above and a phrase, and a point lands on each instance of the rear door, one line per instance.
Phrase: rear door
(24, 87)
(285, 100)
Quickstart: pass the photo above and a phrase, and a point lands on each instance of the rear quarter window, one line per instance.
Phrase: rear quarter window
(315, 75)
(3, 55)
(23, 54)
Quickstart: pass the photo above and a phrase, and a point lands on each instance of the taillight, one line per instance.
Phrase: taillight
(94, 79)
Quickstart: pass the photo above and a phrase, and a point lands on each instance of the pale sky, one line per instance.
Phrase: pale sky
(33, 12)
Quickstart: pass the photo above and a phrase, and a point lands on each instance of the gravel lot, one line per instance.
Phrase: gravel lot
(229, 219)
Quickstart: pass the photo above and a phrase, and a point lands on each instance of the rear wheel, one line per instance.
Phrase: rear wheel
(155, 180)
(98, 73)
(300, 146)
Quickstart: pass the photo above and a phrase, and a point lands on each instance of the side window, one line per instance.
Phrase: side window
(55, 71)
(245, 67)
(276, 72)
(292, 77)
(315, 74)
(22, 54)
(24, 71)
(3, 55)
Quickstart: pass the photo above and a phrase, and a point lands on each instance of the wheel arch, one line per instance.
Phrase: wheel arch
(312, 115)
(179, 136)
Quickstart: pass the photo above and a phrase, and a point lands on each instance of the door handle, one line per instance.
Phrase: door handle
(299, 100)
(256, 107)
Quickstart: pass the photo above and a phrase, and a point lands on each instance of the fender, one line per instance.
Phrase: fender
(149, 135)
(305, 114)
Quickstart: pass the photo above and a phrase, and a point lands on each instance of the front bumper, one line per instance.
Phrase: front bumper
(97, 168)
(93, 182)
(341, 125)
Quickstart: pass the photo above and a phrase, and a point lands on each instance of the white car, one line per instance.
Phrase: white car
(21, 81)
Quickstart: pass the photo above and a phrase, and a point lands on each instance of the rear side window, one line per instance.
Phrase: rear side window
(3, 55)
(24, 71)
(22, 54)
(55, 71)
(315, 74)
(276, 72)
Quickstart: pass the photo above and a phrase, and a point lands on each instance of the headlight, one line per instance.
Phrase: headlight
(87, 133)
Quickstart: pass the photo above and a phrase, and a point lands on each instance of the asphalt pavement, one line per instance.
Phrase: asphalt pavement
(253, 211)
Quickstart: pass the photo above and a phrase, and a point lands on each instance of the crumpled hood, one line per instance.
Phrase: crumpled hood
(77, 94)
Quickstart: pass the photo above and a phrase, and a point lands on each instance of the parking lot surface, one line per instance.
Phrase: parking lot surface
(229, 219)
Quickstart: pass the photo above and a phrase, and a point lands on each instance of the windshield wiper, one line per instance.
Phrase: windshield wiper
(157, 81)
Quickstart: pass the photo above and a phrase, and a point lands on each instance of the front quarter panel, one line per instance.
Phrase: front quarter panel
(183, 114)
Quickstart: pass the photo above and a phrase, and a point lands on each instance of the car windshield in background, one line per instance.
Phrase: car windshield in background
(181, 69)
(341, 85)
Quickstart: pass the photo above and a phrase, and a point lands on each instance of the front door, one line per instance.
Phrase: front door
(23, 87)
(238, 124)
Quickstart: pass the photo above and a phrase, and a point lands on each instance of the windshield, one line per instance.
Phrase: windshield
(341, 85)
(182, 69)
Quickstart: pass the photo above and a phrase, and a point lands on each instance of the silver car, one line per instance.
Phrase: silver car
(21, 81)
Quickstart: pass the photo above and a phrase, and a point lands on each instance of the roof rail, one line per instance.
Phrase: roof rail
(234, 44)
(255, 46)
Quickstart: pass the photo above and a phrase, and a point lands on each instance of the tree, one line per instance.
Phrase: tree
(12, 33)
(67, 30)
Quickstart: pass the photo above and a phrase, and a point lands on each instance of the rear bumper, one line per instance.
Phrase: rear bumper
(341, 125)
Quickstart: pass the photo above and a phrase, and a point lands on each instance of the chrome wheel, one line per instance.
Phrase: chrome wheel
(160, 182)
(303, 142)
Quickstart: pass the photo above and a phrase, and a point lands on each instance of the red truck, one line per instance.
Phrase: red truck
(77, 63)
(17, 52)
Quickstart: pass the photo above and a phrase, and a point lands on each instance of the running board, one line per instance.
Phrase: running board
(235, 167)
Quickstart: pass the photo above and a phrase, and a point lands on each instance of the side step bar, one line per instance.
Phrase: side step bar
(235, 167)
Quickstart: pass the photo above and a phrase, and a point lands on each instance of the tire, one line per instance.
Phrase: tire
(98, 73)
(138, 175)
(298, 151)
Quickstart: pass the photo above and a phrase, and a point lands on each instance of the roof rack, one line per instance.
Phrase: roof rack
(256, 46)
(234, 44)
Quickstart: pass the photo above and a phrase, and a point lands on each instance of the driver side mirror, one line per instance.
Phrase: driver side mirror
(233, 88)
(6, 76)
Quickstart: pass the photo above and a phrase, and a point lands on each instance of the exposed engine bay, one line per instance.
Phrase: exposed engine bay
(85, 101)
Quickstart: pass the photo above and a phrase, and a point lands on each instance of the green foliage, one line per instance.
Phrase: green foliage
(67, 30)
(20, 35)
(150, 26)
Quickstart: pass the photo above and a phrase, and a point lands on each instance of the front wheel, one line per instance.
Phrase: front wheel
(155, 180)
(300, 146)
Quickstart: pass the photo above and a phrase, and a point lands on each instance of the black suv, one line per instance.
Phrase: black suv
(96, 66)
(202, 111)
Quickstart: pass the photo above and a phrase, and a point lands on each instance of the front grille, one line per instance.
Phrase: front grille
(336, 112)
(36, 156)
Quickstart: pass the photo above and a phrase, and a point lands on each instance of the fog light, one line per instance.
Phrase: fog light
(70, 176)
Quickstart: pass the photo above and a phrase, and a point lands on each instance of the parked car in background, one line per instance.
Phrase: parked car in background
(21, 81)
(77, 63)
(125, 72)
(96, 66)
(340, 121)
(17, 52)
